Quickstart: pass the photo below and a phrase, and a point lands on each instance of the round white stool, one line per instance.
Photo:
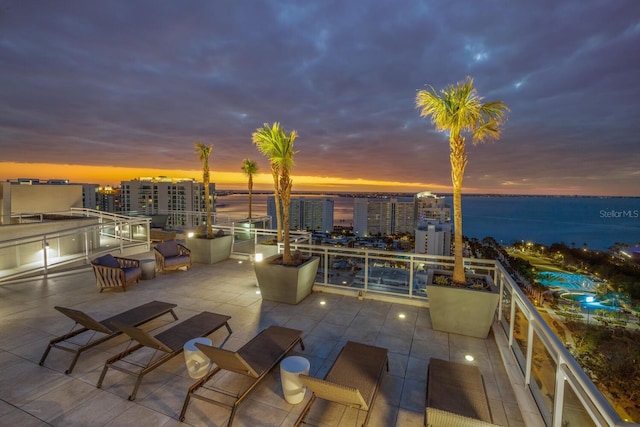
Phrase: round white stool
(197, 362)
(292, 387)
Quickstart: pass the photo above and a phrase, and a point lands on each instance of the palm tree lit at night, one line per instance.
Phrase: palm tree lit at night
(250, 168)
(459, 110)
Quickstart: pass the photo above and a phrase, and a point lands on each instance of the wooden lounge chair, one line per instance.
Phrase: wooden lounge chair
(167, 344)
(353, 380)
(456, 396)
(255, 360)
(116, 272)
(105, 328)
(171, 255)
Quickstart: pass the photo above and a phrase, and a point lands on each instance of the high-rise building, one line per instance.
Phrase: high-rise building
(314, 214)
(383, 216)
(425, 216)
(433, 239)
(433, 224)
(429, 207)
(109, 199)
(182, 199)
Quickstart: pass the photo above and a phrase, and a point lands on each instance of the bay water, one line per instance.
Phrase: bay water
(592, 222)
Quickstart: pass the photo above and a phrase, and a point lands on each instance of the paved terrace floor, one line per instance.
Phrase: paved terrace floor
(33, 395)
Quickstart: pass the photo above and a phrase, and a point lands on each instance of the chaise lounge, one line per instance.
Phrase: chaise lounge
(353, 379)
(116, 272)
(456, 396)
(255, 360)
(171, 255)
(105, 328)
(165, 345)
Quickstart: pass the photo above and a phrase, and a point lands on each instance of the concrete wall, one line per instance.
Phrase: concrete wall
(44, 198)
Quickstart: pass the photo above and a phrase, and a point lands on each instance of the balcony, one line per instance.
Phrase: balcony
(530, 378)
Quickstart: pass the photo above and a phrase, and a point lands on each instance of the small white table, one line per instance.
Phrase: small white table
(292, 388)
(148, 267)
(197, 362)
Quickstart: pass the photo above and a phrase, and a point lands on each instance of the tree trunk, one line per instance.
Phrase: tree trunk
(285, 189)
(276, 193)
(458, 157)
(250, 194)
(205, 183)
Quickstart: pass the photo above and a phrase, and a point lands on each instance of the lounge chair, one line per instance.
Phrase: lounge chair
(105, 328)
(166, 345)
(255, 360)
(171, 255)
(456, 396)
(116, 272)
(353, 379)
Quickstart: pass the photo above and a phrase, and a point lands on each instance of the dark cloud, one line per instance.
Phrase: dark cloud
(110, 83)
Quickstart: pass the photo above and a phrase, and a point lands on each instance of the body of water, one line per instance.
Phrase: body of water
(598, 222)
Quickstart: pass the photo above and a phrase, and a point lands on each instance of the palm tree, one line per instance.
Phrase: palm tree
(249, 167)
(274, 143)
(204, 151)
(459, 110)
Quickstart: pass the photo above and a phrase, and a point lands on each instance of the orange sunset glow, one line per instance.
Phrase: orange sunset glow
(113, 175)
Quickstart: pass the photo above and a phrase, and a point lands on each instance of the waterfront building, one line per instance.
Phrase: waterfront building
(184, 198)
(428, 208)
(433, 239)
(432, 224)
(313, 214)
(382, 216)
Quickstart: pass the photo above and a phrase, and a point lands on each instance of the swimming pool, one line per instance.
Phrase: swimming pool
(567, 281)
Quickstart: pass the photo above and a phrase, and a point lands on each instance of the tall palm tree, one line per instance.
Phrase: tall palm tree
(250, 168)
(204, 151)
(274, 143)
(459, 110)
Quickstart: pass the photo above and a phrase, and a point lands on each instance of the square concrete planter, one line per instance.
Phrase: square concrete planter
(210, 251)
(462, 311)
(287, 284)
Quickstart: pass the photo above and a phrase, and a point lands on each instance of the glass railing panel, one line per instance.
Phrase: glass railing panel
(543, 378)
(343, 269)
(420, 271)
(573, 411)
(520, 337)
(507, 301)
(389, 274)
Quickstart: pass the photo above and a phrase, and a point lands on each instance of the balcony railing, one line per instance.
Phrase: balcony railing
(562, 392)
(62, 248)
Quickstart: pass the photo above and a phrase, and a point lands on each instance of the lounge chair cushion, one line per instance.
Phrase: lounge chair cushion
(130, 273)
(168, 248)
(107, 260)
(176, 260)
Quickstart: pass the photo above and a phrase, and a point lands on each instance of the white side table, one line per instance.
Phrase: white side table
(197, 362)
(292, 388)
(148, 267)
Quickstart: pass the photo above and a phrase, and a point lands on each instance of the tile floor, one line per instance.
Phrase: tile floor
(33, 395)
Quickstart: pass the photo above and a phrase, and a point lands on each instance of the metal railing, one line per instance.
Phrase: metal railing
(562, 391)
(62, 248)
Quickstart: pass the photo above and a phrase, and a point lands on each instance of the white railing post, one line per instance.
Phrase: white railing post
(44, 253)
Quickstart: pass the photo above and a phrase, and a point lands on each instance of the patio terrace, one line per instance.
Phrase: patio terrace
(33, 395)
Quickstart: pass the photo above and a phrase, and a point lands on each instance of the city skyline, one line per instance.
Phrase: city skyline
(120, 91)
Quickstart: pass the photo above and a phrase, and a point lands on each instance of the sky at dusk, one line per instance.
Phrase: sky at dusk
(100, 91)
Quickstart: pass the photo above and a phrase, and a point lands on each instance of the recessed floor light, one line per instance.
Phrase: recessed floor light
(402, 315)
(257, 292)
(323, 302)
(469, 358)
